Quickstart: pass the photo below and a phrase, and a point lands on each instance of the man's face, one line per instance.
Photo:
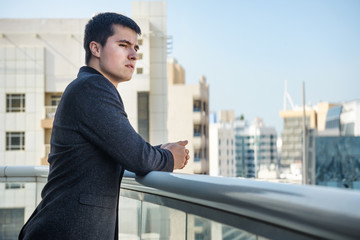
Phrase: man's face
(118, 56)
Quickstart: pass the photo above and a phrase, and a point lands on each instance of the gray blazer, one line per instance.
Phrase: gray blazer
(92, 142)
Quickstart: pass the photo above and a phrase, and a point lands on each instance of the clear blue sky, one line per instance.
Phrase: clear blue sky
(248, 48)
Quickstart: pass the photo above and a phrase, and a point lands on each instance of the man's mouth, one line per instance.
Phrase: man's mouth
(131, 66)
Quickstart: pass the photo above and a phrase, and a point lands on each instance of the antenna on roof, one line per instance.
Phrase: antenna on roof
(287, 97)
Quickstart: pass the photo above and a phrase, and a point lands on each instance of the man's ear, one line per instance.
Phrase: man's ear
(95, 48)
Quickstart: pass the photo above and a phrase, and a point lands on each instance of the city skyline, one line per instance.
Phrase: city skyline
(248, 49)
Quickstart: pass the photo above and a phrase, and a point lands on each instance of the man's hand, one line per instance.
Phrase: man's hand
(179, 152)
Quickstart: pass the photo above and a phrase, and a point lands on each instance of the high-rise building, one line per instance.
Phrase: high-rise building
(145, 96)
(292, 148)
(256, 151)
(333, 158)
(325, 120)
(241, 150)
(189, 116)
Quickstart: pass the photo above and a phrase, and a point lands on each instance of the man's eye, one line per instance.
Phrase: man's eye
(122, 45)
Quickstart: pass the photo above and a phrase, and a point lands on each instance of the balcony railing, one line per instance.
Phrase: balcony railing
(178, 206)
(50, 111)
(47, 150)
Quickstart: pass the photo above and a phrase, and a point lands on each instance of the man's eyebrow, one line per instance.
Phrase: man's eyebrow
(129, 43)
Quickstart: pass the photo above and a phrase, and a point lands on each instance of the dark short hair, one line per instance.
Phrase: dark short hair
(100, 28)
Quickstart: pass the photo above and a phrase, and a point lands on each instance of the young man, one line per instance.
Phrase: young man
(93, 142)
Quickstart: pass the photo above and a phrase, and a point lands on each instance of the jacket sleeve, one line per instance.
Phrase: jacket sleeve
(103, 122)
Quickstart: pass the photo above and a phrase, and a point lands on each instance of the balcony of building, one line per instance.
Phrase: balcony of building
(44, 160)
(48, 121)
(178, 206)
(200, 105)
(52, 100)
(200, 117)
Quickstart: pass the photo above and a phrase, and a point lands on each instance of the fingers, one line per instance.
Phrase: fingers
(179, 152)
(187, 157)
(185, 163)
(183, 143)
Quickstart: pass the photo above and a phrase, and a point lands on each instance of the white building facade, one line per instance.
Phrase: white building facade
(222, 145)
(38, 59)
(243, 150)
(256, 151)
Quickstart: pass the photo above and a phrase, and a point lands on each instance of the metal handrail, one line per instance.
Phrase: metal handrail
(311, 211)
(23, 171)
(320, 212)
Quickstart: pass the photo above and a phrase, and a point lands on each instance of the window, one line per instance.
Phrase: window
(197, 106)
(143, 114)
(55, 100)
(140, 55)
(204, 106)
(197, 130)
(11, 222)
(14, 185)
(140, 42)
(15, 141)
(15, 102)
(139, 70)
(197, 155)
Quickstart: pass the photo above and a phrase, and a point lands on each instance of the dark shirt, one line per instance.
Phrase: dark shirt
(92, 142)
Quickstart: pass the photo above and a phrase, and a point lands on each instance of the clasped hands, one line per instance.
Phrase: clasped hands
(179, 152)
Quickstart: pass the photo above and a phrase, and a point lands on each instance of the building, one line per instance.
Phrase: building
(145, 96)
(256, 150)
(242, 150)
(330, 134)
(292, 148)
(189, 116)
(222, 145)
(40, 57)
(350, 118)
(333, 152)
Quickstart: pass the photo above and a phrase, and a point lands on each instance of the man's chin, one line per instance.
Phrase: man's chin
(123, 79)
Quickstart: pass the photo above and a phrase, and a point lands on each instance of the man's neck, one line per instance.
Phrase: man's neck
(95, 66)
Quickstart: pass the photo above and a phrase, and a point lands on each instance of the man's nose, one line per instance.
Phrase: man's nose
(133, 55)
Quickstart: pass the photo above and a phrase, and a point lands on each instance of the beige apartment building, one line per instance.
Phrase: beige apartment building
(189, 116)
